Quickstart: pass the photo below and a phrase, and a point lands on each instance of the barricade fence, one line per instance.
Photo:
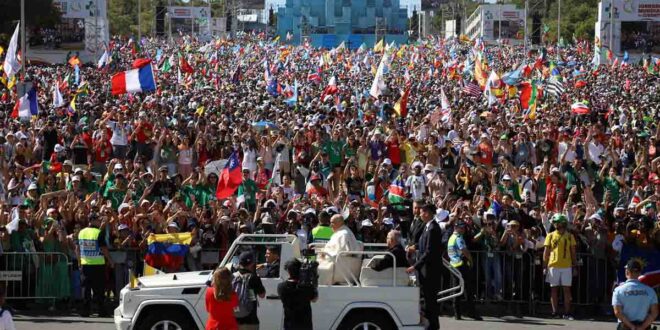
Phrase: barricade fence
(517, 280)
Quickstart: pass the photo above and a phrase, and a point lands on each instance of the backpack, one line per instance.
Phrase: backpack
(241, 285)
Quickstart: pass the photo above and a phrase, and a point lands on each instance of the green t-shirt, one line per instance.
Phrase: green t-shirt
(613, 188)
(116, 197)
(333, 148)
(202, 194)
(249, 190)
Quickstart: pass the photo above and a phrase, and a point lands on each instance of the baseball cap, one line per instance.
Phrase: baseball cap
(559, 218)
(634, 266)
(245, 259)
(119, 167)
(387, 161)
(506, 177)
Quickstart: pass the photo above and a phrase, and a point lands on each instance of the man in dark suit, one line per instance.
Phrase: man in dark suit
(416, 230)
(429, 265)
(395, 248)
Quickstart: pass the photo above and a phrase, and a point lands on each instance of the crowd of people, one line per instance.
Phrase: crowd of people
(375, 135)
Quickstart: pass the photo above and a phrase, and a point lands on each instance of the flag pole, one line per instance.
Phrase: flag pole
(23, 49)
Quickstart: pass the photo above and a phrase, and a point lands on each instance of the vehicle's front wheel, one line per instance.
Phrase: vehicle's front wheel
(367, 322)
(170, 320)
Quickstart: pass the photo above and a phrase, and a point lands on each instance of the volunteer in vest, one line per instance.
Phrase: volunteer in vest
(461, 259)
(558, 262)
(93, 257)
(322, 232)
(635, 304)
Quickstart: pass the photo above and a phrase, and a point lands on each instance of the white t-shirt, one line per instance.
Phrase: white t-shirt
(7, 321)
(595, 150)
(417, 186)
(570, 156)
(119, 133)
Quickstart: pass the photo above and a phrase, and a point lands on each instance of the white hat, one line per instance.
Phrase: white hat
(266, 219)
(68, 162)
(596, 216)
(270, 201)
(332, 209)
(122, 207)
(441, 215)
(173, 224)
(58, 148)
(310, 211)
(77, 169)
(387, 161)
(388, 221)
(119, 167)
(417, 164)
(75, 178)
(506, 177)
(32, 186)
(489, 212)
(366, 223)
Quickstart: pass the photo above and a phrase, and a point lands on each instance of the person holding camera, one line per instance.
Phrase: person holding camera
(296, 298)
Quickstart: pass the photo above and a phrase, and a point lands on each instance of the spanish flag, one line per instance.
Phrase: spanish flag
(167, 251)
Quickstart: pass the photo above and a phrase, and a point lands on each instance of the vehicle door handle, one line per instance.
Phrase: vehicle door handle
(274, 297)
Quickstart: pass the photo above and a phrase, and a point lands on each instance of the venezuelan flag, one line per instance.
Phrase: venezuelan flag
(167, 251)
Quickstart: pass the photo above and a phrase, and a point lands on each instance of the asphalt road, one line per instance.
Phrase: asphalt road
(49, 322)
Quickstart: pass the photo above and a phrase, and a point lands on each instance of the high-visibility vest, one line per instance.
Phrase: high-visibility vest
(453, 252)
(90, 252)
(321, 233)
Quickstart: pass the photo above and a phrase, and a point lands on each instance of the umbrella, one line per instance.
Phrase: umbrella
(264, 124)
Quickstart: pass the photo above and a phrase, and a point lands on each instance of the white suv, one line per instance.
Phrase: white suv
(370, 300)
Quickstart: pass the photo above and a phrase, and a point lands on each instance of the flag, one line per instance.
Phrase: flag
(83, 89)
(11, 64)
(626, 58)
(378, 47)
(289, 36)
(331, 89)
(273, 87)
(378, 85)
(396, 191)
(140, 62)
(103, 61)
(479, 74)
(493, 88)
(401, 106)
(555, 87)
(167, 64)
(514, 77)
(529, 93)
(134, 81)
(595, 61)
(27, 106)
(230, 177)
(314, 77)
(445, 107)
(72, 105)
(293, 100)
(580, 108)
(167, 250)
(58, 101)
(185, 66)
(472, 89)
(74, 61)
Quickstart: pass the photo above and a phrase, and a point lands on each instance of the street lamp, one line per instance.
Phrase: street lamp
(168, 18)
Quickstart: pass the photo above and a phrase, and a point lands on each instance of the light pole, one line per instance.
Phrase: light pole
(558, 20)
(525, 27)
(139, 21)
(611, 25)
(168, 18)
(23, 49)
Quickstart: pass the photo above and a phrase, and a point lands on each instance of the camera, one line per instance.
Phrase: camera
(309, 273)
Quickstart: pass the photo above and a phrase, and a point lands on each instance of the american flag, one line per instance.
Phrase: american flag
(472, 89)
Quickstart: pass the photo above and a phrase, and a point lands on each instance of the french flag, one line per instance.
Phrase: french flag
(27, 105)
(134, 81)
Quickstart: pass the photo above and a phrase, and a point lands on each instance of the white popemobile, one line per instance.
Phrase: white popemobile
(366, 300)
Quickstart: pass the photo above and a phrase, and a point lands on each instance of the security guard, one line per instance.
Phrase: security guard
(461, 259)
(93, 256)
(635, 304)
(322, 232)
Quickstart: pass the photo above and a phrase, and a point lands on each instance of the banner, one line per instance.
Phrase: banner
(81, 8)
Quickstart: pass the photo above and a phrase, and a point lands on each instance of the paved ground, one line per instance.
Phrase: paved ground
(42, 322)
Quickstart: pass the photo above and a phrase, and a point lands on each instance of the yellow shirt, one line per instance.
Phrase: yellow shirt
(560, 247)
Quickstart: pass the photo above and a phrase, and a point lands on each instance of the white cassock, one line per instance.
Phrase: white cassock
(331, 267)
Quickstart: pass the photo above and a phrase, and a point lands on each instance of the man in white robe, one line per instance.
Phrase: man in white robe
(330, 266)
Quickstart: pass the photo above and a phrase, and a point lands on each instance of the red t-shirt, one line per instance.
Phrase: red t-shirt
(144, 132)
(221, 313)
(394, 152)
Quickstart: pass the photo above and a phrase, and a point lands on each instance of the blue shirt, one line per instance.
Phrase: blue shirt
(635, 298)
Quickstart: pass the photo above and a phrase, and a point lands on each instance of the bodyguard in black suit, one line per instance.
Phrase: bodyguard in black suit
(429, 265)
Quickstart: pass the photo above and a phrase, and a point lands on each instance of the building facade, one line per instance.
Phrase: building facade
(493, 22)
(328, 23)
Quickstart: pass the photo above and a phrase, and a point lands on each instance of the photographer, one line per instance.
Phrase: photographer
(296, 298)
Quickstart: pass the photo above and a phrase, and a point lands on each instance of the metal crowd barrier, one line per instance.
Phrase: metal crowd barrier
(516, 280)
(35, 275)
